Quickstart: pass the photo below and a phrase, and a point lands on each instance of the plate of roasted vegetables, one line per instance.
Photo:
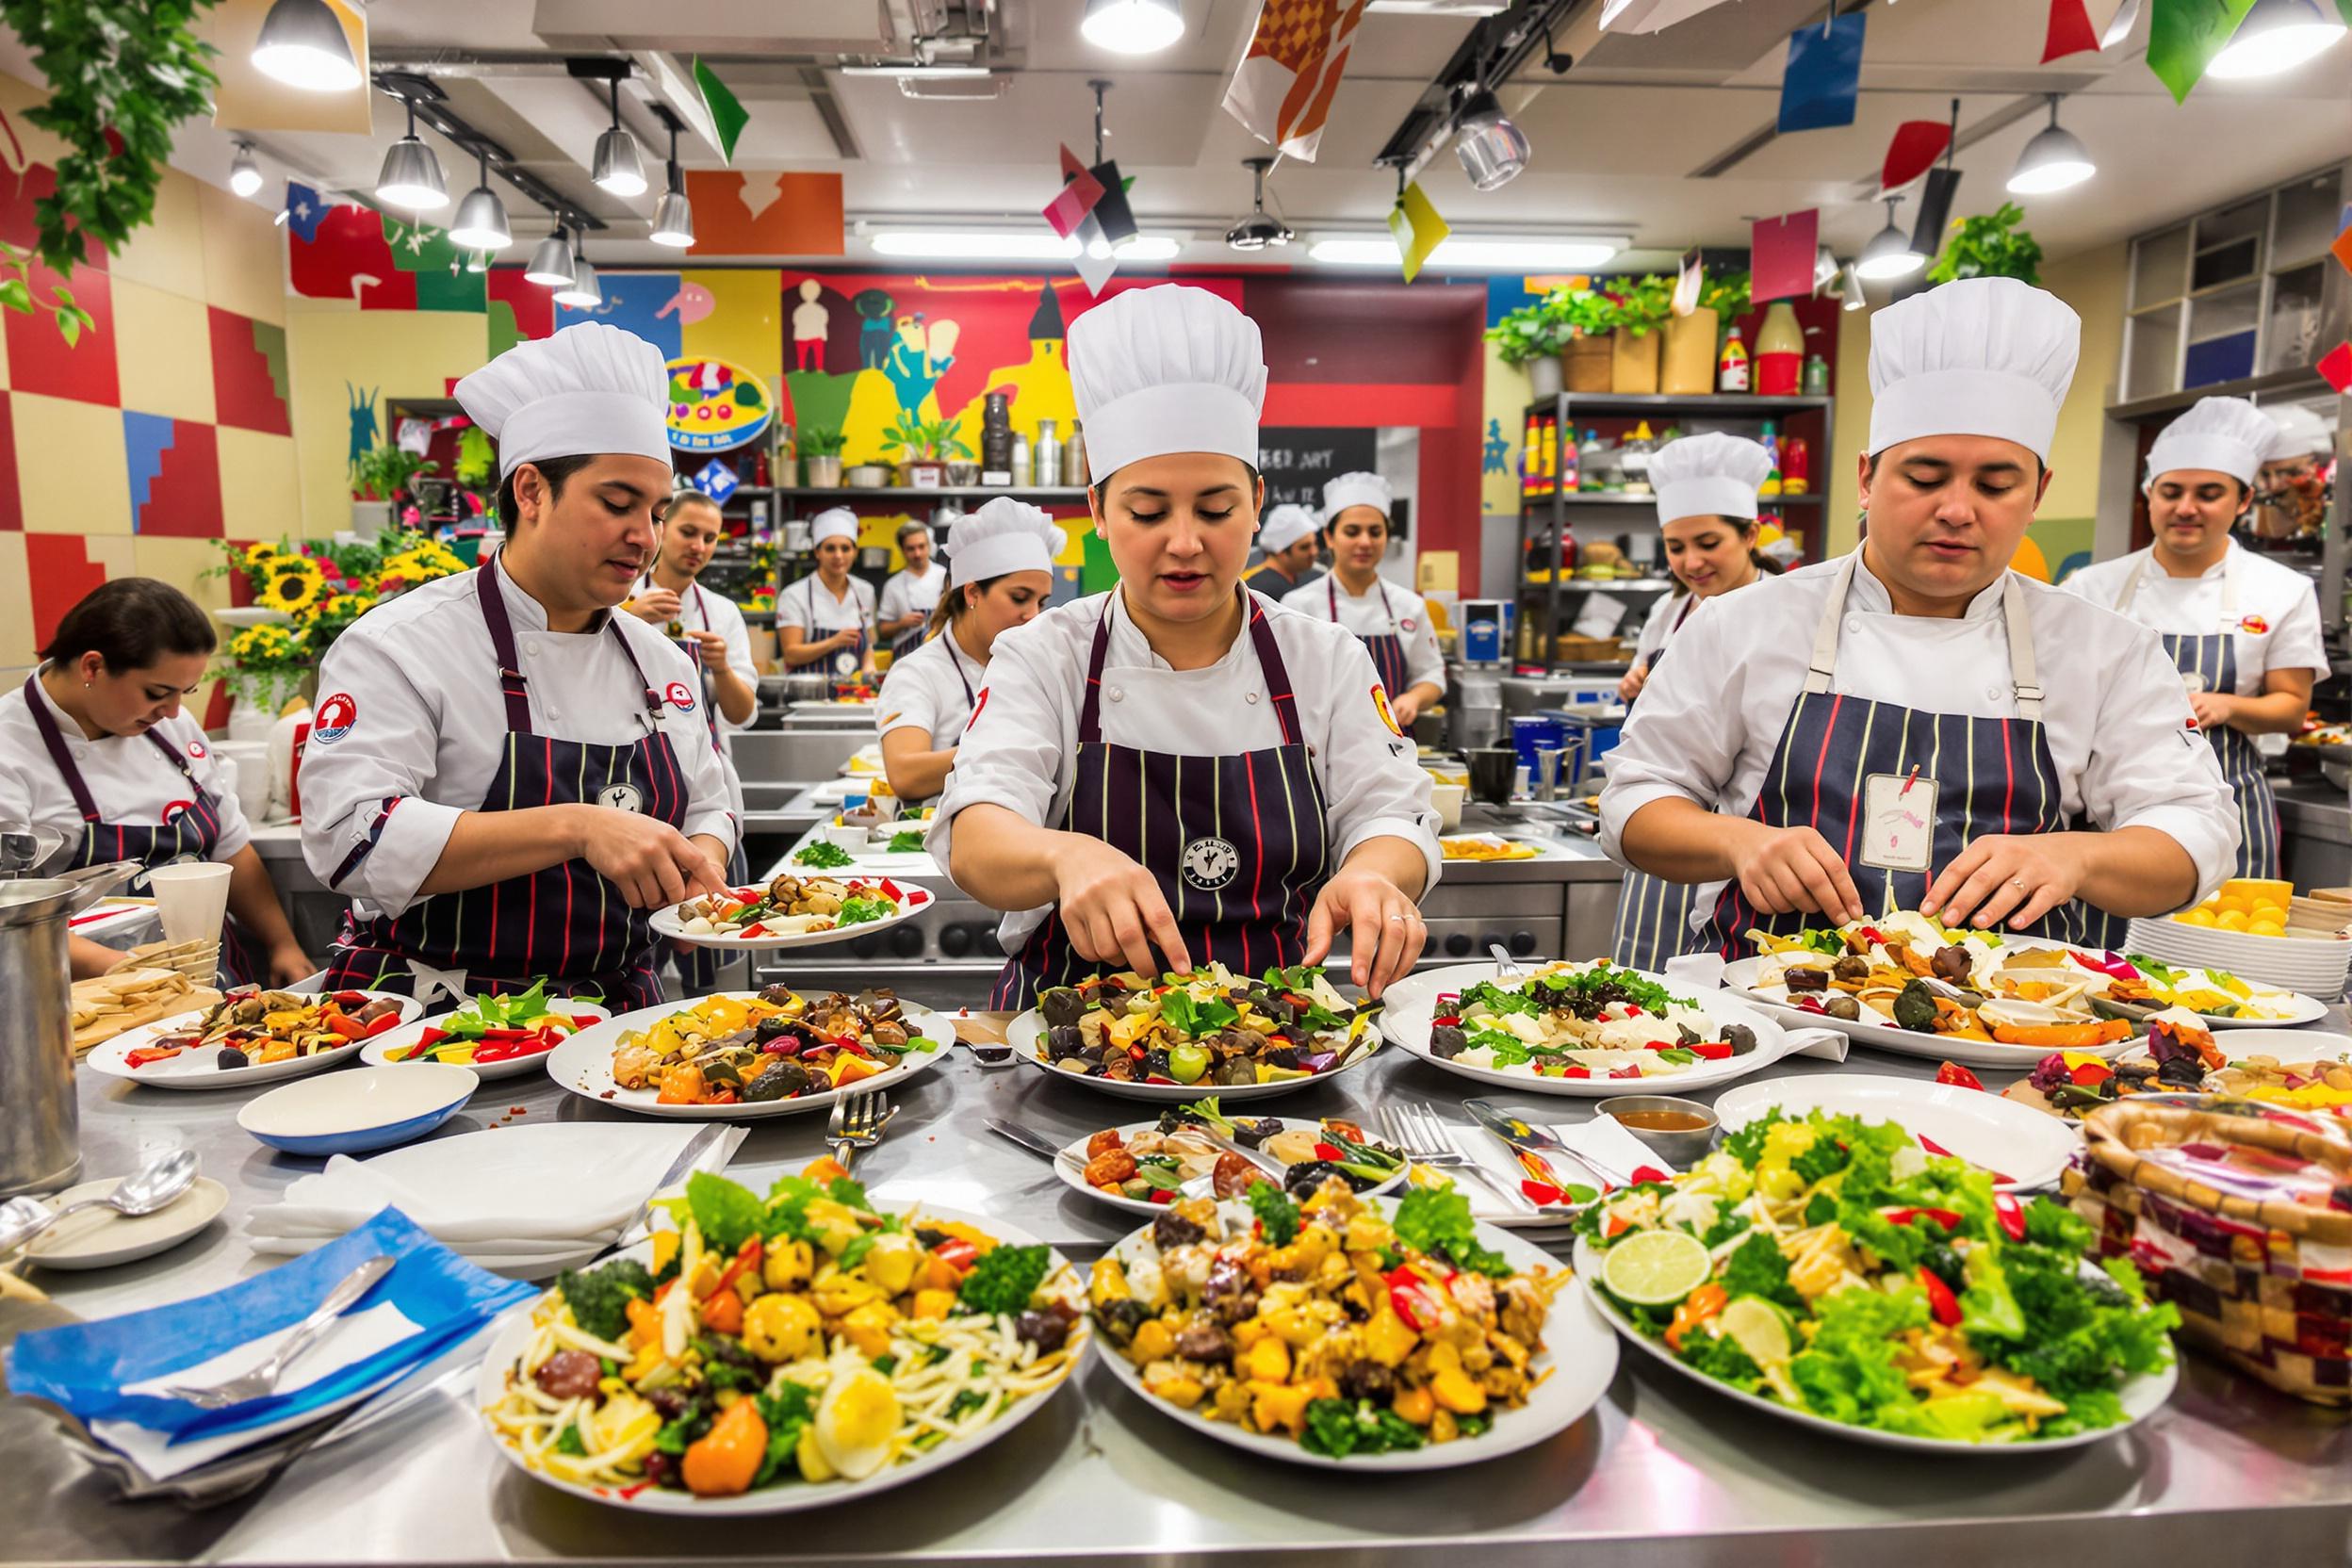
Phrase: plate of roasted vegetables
(1904, 984)
(740, 1054)
(1824, 1268)
(1209, 1032)
(795, 909)
(252, 1036)
(2310, 1071)
(766, 1353)
(1197, 1150)
(498, 1036)
(1591, 1029)
(1348, 1331)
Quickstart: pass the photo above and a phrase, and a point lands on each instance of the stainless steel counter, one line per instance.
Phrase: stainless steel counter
(1663, 1472)
(2315, 828)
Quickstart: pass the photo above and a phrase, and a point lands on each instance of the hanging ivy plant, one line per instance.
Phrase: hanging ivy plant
(1990, 246)
(121, 75)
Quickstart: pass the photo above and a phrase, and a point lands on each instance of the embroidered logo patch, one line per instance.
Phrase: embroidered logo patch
(681, 696)
(1379, 705)
(2253, 626)
(1408, 625)
(176, 809)
(196, 749)
(336, 713)
(621, 797)
(1210, 862)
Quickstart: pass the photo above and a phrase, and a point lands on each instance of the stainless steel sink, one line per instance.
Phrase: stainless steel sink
(796, 757)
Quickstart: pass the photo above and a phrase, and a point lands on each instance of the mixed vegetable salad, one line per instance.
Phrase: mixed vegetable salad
(1581, 1021)
(1833, 1265)
(493, 1029)
(1193, 1141)
(728, 1050)
(251, 1027)
(1210, 1026)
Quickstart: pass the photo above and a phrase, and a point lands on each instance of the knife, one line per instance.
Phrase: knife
(1044, 1149)
(1531, 1144)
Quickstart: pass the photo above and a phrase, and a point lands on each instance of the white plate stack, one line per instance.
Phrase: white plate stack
(2314, 965)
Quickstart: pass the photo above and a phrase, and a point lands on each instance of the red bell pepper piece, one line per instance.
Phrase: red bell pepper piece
(891, 888)
(1447, 1021)
(1712, 1050)
(1163, 1195)
(1946, 1217)
(349, 999)
(747, 1257)
(1329, 1152)
(344, 1024)
(1649, 1173)
(1940, 1300)
(1539, 1192)
(957, 1253)
(1958, 1076)
(369, 1031)
(2011, 1215)
(1408, 1298)
(2091, 1074)
(146, 1056)
(1575, 1072)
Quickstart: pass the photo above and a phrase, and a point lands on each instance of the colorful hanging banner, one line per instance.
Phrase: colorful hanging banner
(1080, 191)
(727, 115)
(2184, 36)
(2070, 32)
(1781, 251)
(1917, 145)
(1823, 74)
(1417, 227)
(1281, 90)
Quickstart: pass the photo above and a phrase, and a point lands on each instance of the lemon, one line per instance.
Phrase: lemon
(2235, 904)
(1657, 1269)
(2199, 916)
(1759, 1329)
(2264, 928)
(2231, 920)
(2274, 912)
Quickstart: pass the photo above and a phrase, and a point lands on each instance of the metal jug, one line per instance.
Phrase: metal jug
(39, 1130)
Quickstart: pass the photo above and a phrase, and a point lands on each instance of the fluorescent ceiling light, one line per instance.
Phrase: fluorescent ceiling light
(2276, 36)
(1468, 251)
(1142, 247)
(244, 173)
(932, 72)
(1132, 26)
(302, 44)
(1007, 245)
(2055, 159)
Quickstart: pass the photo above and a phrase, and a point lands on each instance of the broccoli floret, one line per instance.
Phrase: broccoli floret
(599, 1298)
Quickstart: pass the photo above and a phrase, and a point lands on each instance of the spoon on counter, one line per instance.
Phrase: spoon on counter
(161, 1182)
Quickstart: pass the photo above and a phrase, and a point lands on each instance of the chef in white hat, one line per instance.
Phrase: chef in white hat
(504, 775)
(1706, 510)
(1392, 623)
(1000, 573)
(1915, 725)
(2243, 629)
(825, 620)
(1288, 546)
(1176, 772)
(2296, 468)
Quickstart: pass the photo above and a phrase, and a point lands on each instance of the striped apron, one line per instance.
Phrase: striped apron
(1387, 648)
(843, 663)
(1238, 844)
(1850, 768)
(1654, 915)
(566, 922)
(190, 831)
(909, 641)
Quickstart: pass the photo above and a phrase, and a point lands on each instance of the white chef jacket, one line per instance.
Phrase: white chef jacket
(1664, 620)
(808, 605)
(1383, 609)
(923, 691)
(129, 779)
(905, 592)
(428, 726)
(2275, 620)
(701, 609)
(1021, 750)
(2113, 713)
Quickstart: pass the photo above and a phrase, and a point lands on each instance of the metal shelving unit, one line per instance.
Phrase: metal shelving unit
(1549, 516)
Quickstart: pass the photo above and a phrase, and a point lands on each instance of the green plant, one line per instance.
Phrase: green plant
(821, 441)
(384, 473)
(1580, 312)
(121, 75)
(917, 440)
(1726, 294)
(1525, 333)
(1640, 304)
(1989, 246)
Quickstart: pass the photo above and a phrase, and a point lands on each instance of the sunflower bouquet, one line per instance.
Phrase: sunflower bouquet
(267, 664)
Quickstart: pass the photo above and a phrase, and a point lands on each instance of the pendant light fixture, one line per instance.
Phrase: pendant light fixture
(411, 175)
(1850, 290)
(301, 45)
(2276, 36)
(2054, 160)
(551, 263)
(1258, 231)
(1824, 270)
(1132, 26)
(674, 216)
(585, 290)
(619, 168)
(1493, 150)
(1889, 254)
(481, 221)
(244, 173)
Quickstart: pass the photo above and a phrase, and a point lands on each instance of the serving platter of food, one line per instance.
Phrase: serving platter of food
(791, 910)
(2295, 1068)
(498, 1036)
(1211, 1030)
(736, 1055)
(252, 1036)
(1198, 1150)
(767, 1353)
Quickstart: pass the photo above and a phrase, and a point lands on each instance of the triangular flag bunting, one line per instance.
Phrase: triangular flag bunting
(728, 116)
(1824, 74)
(2070, 31)
(2335, 367)
(1417, 227)
(1112, 213)
(1281, 90)
(1917, 145)
(2184, 36)
(1080, 191)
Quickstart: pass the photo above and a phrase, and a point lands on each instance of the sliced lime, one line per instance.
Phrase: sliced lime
(1752, 1323)
(1657, 1269)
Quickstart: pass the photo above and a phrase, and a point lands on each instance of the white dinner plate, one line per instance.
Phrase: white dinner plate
(911, 902)
(1573, 1369)
(101, 1238)
(1742, 977)
(1026, 1033)
(1408, 1023)
(1076, 1181)
(2142, 1396)
(379, 1049)
(583, 1065)
(2023, 1148)
(193, 1069)
(512, 1334)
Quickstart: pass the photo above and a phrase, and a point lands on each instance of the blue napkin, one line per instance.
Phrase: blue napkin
(85, 1368)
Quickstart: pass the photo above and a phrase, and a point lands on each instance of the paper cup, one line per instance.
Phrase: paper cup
(1446, 798)
(191, 898)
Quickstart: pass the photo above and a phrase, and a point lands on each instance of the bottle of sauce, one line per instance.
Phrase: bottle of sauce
(1795, 463)
(1770, 441)
(1731, 368)
(1816, 375)
(1779, 351)
(1636, 457)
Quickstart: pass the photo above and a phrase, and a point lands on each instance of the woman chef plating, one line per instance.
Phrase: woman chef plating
(2243, 630)
(1392, 623)
(1706, 510)
(1874, 733)
(1223, 778)
(506, 775)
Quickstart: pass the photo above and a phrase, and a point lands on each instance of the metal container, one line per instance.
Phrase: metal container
(40, 1145)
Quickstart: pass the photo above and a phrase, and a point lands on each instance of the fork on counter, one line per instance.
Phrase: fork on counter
(858, 1122)
(263, 1380)
(1416, 1130)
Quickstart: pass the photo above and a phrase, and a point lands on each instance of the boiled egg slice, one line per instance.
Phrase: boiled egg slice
(857, 1420)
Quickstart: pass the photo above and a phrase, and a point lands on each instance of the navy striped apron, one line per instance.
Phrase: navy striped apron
(566, 924)
(1654, 915)
(909, 641)
(1387, 648)
(843, 661)
(191, 830)
(1989, 776)
(1237, 843)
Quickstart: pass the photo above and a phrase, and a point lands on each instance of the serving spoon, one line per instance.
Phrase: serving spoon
(153, 1186)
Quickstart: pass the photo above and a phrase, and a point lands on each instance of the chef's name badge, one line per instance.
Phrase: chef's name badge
(1898, 821)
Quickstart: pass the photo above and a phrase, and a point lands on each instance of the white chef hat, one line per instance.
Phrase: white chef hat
(1286, 526)
(2228, 436)
(590, 389)
(1165, 369)
(1004, 536)
(1978, 356)
(834, 522)
(1357, 489)
(2301, 434)
(1712, 474)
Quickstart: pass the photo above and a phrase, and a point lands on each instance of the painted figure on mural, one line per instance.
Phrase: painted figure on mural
(872, 306)
(363, 412)
(809, 321)
(919, 357)
(693, 303)
(1497, 449)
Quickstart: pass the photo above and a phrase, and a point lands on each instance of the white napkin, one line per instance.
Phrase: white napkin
(1605, 1139)
(513, 1191)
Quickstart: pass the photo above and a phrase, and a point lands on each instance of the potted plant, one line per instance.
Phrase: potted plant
(380, 478)
(923, 449)
(1641, 307)
(1584, 318)
(1990, 246)
(1529, 338)
(820, 457)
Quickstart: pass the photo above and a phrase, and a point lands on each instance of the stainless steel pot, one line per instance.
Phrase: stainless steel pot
(40, 1132)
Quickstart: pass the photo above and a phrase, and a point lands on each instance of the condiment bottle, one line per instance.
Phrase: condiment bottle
(1075, 456)
(1731, 369)
(1794, 463)
(1816, 375)
(1048, 450)
(1779, 351)
(1636, 457)
(1770, 441)
(1017, 463)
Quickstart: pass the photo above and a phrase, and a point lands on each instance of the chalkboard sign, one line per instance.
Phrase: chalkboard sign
(1298, 461)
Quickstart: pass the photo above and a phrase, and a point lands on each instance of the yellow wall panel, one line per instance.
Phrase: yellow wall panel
(391, 353)
(181, 562)
(2094, 283)
(244, 256)
(163, 353)
(745, 325)
(69, 466)
(117, 553)
(16, 605)
(169, 251)
(261, 495)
